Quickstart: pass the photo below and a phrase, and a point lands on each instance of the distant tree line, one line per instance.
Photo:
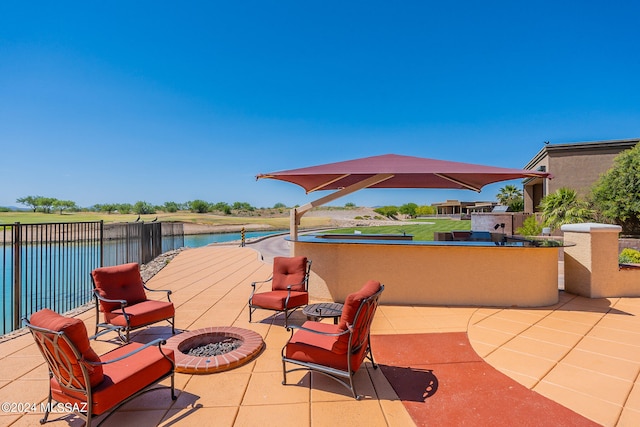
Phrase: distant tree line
(47, 204)
(51, 204)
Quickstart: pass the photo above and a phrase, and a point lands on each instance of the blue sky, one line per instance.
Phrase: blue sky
(111, 102)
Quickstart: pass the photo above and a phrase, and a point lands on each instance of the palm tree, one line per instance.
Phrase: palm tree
(564, 207)
(508, 194)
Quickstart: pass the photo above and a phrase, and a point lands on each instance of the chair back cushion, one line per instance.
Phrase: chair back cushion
(75, 330)
(121, 282)
(289, 271)
(351, 305)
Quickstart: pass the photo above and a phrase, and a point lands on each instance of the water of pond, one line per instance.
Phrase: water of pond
(199, 240)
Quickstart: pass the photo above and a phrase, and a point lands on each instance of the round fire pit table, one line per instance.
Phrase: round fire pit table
(323, 310)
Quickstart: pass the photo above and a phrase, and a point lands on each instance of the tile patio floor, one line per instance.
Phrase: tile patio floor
(582, 353)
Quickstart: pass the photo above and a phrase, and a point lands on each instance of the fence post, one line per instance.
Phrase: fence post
(101, 243)
(17, 274)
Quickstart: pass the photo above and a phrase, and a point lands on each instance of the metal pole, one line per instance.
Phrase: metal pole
(17, 275)
(101, 243)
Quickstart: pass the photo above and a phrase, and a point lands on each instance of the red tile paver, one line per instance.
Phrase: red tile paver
(442, 381)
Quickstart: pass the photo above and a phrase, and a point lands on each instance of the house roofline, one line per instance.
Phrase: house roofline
(549, 148)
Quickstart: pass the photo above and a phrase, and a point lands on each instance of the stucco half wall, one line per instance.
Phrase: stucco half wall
(440, 275)
(591, 266)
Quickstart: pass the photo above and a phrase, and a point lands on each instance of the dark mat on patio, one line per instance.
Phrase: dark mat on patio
(442, 381)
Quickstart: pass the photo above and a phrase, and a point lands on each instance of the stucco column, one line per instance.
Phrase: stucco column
(591, 266)
(529, 206)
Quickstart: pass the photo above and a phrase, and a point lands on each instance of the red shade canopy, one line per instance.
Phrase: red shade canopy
(402, 171)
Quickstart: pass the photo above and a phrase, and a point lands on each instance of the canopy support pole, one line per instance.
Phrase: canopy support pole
(297, 213)
(457, 181)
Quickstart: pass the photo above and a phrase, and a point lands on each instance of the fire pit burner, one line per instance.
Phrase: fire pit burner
(215, 348)
(246, 345)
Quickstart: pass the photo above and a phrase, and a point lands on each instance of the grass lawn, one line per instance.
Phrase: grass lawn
(420, 230)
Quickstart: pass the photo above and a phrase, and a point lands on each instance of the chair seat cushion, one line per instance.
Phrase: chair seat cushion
(142, 313)
(122, 378)
(274, 300)
(320, 349)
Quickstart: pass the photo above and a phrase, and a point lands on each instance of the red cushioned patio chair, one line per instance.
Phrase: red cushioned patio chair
(89, 384)
(289, 284)
(120, 295)
(336, 351)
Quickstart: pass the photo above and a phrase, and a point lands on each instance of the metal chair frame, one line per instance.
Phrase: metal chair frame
(367, 308)
(287, 312)
(58, 363)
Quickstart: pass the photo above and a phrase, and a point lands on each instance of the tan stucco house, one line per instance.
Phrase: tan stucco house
(574, 165)
(456, 207)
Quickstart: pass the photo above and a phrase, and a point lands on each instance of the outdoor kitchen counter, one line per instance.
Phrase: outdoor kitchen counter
(508, 273)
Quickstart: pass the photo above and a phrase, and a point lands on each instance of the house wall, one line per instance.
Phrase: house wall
(579, 170)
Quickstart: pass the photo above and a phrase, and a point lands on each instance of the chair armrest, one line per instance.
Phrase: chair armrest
(122, 302)
(261, 281)
(168, 291)
(157, 342)
(326, 334)
(253, 285)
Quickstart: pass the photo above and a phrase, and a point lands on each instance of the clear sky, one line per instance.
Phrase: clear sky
(121, 101)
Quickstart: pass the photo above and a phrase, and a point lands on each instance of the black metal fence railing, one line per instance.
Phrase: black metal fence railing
(48, 265)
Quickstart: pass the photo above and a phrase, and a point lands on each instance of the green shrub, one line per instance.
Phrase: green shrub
(387, 211)
(200, 206)
(516, 205)
(171, 207)
(408, 209)
(530, 227)
(425, 210)
(143, 208)
(629, 256)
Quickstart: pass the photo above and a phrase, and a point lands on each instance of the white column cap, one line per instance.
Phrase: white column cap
(588, 227)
